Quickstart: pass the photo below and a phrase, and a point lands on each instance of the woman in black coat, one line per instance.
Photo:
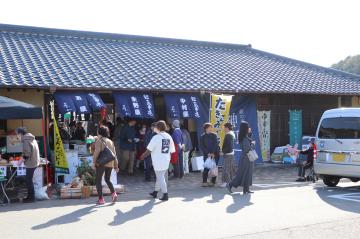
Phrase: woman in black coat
(209, 146)
(244, 172)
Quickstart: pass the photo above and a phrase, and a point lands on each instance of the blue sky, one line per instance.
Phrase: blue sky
(318, 31)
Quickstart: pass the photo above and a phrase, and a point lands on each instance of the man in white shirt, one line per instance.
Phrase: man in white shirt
(160, 148)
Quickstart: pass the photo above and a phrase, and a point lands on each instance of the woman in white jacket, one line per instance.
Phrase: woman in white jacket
(160, 148)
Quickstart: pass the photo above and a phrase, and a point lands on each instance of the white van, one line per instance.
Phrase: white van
(338, 146)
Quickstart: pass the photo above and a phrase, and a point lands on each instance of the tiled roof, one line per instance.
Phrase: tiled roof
(43, 58)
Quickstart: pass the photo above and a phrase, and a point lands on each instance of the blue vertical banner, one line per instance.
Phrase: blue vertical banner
(95, 101)
(183, 106)
(243, 108)
(188, 106)
(135, 105)
(65, 103)
(295, 127)
(81, 103)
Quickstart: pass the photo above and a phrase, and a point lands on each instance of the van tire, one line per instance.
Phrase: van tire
(331, 181)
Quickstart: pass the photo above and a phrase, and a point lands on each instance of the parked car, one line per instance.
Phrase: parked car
(338, 146)
(279, 154)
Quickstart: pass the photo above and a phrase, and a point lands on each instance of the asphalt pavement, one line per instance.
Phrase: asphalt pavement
(279, 208)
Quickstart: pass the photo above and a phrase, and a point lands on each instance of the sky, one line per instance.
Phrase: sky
(321, 32)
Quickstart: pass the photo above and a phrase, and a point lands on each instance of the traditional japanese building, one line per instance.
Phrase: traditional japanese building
(147, 77)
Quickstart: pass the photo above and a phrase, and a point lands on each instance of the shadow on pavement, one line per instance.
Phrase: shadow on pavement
(47, 204)
(134, 213)
(216, 197)
(239, 202)
(75, 216)
(343, 198)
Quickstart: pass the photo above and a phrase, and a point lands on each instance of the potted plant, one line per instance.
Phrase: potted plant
(87, 175)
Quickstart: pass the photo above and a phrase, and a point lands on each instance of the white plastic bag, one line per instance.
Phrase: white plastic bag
(41, 194)
(209, 163)
(197, 163)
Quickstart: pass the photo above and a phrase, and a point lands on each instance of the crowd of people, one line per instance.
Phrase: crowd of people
(163, 151)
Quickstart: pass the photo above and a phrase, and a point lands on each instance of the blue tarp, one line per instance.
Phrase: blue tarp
(135, 105)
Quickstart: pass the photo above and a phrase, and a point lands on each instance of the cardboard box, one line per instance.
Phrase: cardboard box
(70, 193)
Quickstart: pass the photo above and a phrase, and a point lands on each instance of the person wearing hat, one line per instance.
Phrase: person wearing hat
(31, 159)
(178, 140)
(309, 161)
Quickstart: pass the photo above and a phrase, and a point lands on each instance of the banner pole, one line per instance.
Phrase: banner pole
(52, 104)
(45, 146)
(210, 107)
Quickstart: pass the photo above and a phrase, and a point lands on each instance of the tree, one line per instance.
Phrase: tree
(351, 64)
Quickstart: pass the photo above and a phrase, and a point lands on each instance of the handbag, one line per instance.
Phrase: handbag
(252, 155)
(105, 156)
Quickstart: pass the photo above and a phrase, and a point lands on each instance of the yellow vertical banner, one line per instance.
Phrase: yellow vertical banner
(61, 163)
(219, 114)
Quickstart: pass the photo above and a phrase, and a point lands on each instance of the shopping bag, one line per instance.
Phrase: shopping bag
(197, 163)
(209, 163)
(213, 172)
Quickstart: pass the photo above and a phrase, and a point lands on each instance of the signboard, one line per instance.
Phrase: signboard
(21, 170)
(295, 127)
(2, 172)
(219, 114)
(264, 133)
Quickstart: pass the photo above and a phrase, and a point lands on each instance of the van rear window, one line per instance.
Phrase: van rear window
(340, 128)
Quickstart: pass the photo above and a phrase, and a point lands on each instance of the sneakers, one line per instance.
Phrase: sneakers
(223, 185)
(204, 185)
(101, 201)
(211, 184)
(114, 197)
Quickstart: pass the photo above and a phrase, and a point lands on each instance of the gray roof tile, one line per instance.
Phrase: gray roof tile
(41, 57)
